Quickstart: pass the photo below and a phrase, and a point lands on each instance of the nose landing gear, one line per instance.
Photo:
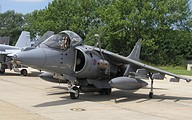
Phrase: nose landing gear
(74, 92)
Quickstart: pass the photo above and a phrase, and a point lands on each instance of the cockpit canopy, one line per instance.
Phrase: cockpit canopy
(63, 40)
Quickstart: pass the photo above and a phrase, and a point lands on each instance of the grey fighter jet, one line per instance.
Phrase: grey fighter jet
(7, 50)
(23, 44)
(90, 68)
(42, 38)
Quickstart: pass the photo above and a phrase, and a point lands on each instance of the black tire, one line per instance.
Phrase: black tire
(150, 94)
(74, 95)
(24, 72)
(105, 91)
(2, 71)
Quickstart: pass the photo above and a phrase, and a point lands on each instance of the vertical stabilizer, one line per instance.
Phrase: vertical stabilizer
(135, 54)
(43, 38)
(24, 40)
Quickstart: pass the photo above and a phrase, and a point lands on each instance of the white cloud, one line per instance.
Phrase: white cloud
(28, 0)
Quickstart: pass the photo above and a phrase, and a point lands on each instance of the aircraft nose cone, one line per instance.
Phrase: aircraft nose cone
(33, 58)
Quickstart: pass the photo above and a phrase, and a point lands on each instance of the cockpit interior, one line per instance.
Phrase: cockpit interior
(63, 40)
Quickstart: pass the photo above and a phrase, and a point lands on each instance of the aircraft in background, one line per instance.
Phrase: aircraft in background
(23, 44)
(90, 68)
(6, 50)
(42, 38)
(4, 40)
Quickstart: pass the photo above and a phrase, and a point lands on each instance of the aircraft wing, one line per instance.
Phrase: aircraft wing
(3, 53)
(118, 59)
(9, 52)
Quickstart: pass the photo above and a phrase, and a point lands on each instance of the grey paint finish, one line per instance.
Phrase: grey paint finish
(89, 66)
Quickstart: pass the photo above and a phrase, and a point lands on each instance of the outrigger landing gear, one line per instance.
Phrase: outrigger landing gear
(151, 92)
(73, 90)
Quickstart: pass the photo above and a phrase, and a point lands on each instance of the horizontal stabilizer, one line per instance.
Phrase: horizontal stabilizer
(158, 76)
(174, 80)
(140, 73)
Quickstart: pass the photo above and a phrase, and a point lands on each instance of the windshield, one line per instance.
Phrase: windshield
(63, 40)
(53, 41)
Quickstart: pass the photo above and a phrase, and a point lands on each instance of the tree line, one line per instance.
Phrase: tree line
(163, 25)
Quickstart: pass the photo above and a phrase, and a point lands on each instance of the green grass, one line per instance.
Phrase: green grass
(176, 70)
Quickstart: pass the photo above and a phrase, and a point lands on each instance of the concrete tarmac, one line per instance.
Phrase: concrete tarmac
(34, 98)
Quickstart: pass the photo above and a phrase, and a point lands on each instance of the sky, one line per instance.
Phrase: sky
(27, 6)
(23, 6)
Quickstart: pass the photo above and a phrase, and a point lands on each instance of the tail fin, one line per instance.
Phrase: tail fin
(43, 38)
(24, 40)
(135, 54)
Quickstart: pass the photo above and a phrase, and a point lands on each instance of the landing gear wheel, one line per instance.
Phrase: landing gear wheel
(24, 72)
(150, 94)
(2, 71)
(105, 91)
(74, 95)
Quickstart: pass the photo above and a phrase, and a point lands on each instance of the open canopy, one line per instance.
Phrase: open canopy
(63, 40)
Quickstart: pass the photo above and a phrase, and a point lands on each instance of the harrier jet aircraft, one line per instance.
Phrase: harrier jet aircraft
(90, 68)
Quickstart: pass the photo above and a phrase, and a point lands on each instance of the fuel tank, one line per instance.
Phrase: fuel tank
(127, 83)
